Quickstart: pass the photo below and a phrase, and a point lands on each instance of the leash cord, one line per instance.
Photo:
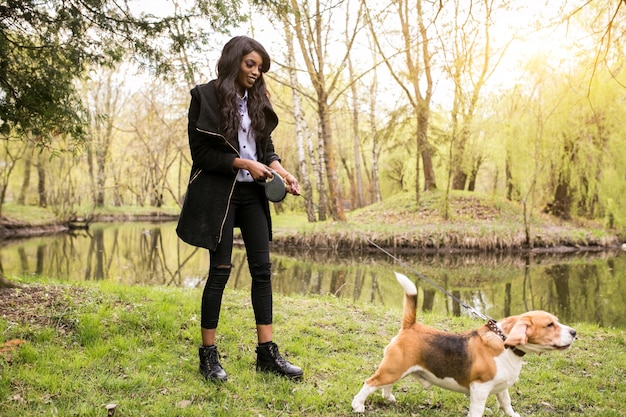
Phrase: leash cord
(423, 277)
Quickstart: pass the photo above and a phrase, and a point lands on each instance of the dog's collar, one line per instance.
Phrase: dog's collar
(493, 326)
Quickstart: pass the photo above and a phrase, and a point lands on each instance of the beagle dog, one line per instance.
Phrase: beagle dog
(478, 363)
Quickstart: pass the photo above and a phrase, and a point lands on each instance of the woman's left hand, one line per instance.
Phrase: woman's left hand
(292, 184)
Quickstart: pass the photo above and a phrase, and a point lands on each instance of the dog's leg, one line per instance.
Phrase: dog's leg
(358, 403)
(504, 399)
(387, 395)
(478, 397)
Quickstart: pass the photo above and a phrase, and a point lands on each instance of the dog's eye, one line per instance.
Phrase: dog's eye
(551, 324)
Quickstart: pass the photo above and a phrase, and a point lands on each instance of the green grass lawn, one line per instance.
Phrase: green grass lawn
(135, 348)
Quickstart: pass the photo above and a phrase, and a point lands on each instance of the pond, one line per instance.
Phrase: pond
(583, 287)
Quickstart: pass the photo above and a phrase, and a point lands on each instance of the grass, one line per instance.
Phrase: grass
(35, 216)
(135, 348)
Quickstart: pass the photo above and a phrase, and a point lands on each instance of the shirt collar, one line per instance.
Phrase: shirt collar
(245, 95)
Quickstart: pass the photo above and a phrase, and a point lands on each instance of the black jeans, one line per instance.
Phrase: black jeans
(247, 212)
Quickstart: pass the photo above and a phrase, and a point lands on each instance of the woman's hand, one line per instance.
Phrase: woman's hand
(258, 171)
(292, 184)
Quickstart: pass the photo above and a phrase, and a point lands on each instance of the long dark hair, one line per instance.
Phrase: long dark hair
(227, 70)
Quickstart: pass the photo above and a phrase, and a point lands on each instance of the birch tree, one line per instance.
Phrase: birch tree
(312, 23)
(302, 132)
(356, 141)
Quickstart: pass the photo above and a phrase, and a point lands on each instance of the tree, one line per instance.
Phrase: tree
(356, 141)
(311, 21)
(105, 101)
(11, 152)
(44, 46)
(157, 131)
(469, 63)
(302, 135)
(414, 74)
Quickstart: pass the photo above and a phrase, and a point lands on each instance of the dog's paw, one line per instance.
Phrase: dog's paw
(390, 398)
(357, 406)
(511, 413)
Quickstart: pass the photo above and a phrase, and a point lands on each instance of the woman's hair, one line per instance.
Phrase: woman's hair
(228, 68)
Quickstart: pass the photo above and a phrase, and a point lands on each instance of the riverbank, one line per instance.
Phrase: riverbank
(28, 221)
(91, 348)
(470, 223)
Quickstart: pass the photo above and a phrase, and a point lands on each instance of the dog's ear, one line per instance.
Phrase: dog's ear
(520, 332)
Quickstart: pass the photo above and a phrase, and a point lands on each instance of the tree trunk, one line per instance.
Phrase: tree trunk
(561, 205)
(28, 160)
(356, 142)
(41, 184)
(471, 186)
(509, 177)
(300, 125)
(377, 197)
(334, 192)
(424, 148)
(318, 155)
(100, 179)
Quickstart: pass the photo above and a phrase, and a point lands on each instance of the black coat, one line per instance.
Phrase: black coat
(213, 177)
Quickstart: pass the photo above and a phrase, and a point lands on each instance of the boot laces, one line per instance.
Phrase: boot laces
(213, 358)
(279, 359)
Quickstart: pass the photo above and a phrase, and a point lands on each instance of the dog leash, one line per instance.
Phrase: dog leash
(491, 323)
(469, 308)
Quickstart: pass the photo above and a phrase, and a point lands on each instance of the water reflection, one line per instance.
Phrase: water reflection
(578, 288)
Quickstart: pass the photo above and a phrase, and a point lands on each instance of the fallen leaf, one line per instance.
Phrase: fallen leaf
(11, 345)
(183, 404)
(111, 409)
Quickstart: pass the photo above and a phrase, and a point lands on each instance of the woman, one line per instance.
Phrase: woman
(230, 123)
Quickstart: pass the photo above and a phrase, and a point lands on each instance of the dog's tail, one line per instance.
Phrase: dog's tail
(410, 300)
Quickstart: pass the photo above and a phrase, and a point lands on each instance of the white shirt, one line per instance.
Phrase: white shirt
(247, 143)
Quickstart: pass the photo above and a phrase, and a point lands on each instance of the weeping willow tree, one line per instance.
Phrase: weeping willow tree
(590, 149)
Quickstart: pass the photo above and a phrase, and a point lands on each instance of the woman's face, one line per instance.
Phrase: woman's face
(249, 71)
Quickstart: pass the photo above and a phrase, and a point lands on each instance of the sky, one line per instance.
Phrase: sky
(528, 20)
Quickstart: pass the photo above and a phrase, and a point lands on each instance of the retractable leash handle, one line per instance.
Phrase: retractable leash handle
(275, 189)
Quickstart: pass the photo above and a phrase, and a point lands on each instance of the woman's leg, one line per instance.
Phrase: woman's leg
(255, 233)
(219, 272)
(256, 236)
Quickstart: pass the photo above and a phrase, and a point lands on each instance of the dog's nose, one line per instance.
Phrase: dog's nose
(572, 332)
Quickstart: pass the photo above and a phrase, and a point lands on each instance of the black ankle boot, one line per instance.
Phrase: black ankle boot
(268, 359)
(210, 366)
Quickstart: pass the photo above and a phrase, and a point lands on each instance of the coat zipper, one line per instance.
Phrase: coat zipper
(232, 188)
